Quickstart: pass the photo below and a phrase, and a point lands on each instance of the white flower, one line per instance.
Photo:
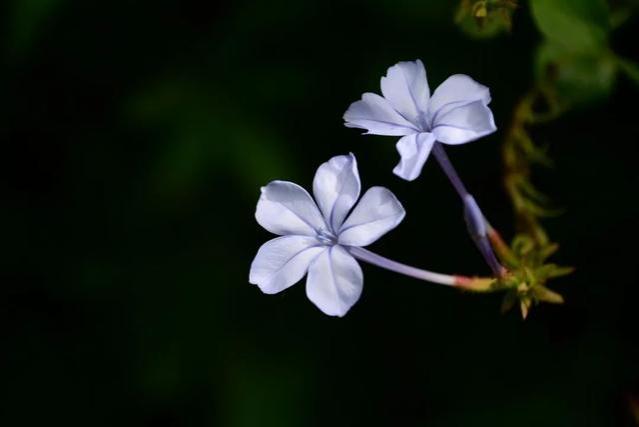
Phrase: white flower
(316, 237)
(456, 113)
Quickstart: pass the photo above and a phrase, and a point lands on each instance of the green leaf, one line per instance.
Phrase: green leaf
(542, 293)
(577, 77)
(576, 25)
(532, 151)
(551, 271)
(548, 250)
(522, 244)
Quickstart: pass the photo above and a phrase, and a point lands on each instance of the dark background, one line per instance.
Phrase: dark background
(136, 135)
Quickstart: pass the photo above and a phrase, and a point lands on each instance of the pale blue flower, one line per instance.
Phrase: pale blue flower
(318, 236)
(456, 113)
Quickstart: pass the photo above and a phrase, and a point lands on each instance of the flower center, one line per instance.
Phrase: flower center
(424, 122)
(326, 237)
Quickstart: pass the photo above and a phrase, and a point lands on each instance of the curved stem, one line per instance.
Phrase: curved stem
(470, 283)
(477, 224)
(449, 170)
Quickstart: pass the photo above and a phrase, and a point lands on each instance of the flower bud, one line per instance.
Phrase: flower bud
(474, 218)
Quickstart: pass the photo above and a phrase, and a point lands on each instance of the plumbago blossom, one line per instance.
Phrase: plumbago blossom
(320, 237)
(456, 113)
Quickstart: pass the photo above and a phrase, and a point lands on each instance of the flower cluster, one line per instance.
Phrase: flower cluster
(323, 237)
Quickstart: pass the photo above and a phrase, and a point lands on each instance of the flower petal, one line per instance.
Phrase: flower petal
(286, 208)
(455, 91)
(335, 281)
(376, 214)
(406, 88)
(377, 116)
(414, 150)
(282, 262)
(336, 188)
(464, 124)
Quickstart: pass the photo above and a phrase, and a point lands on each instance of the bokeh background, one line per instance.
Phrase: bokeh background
(136, 136)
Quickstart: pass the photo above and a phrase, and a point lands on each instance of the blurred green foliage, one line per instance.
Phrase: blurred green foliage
(576, 64)
(575, 58)
(574, 67)
(575, 25)
(27, 19)
(485, 18)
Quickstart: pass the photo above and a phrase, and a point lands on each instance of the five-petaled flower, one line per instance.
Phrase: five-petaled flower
(456, 113)
(316, 237)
